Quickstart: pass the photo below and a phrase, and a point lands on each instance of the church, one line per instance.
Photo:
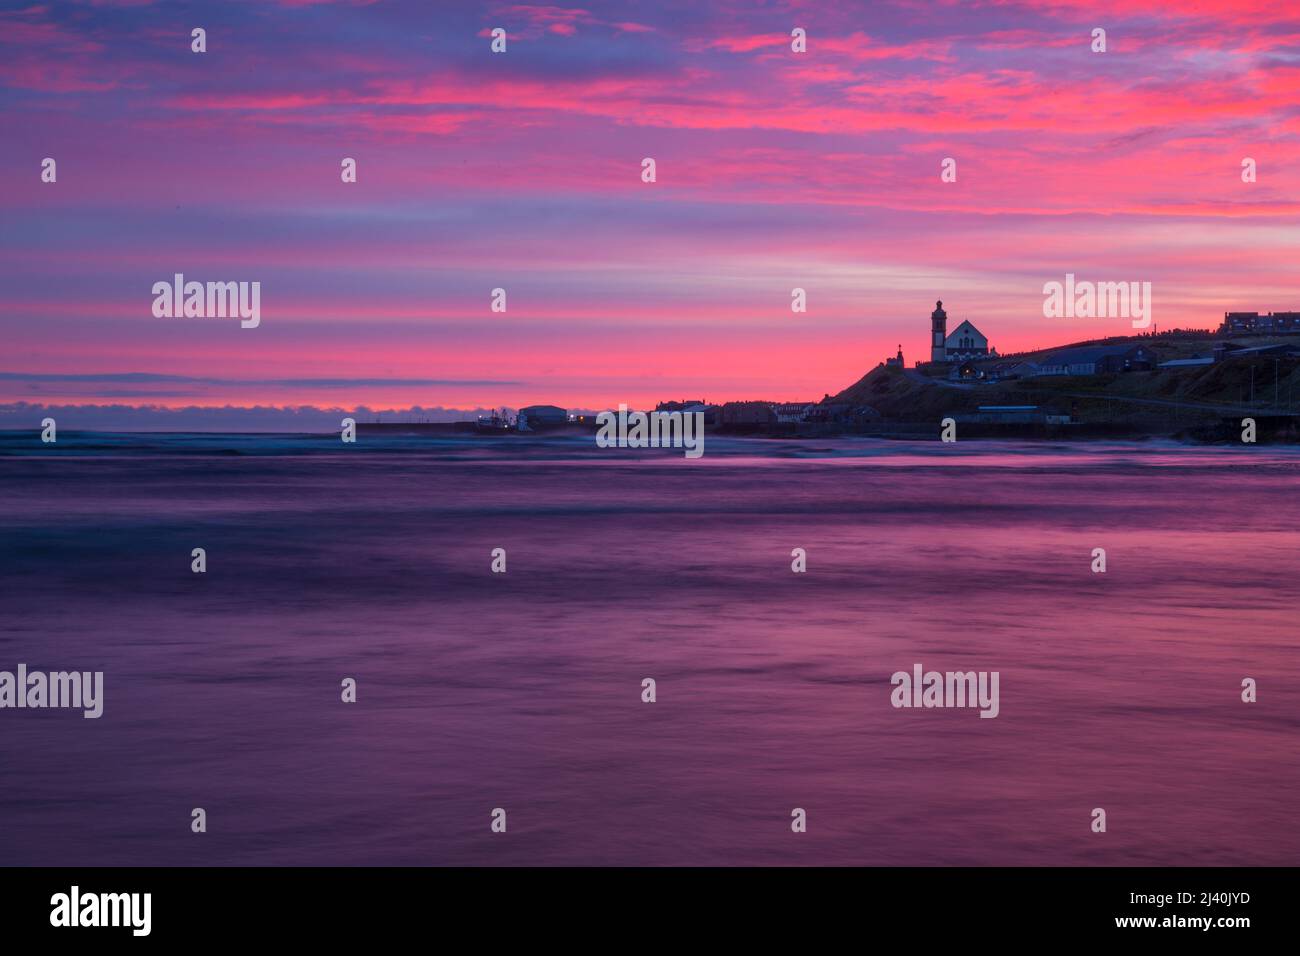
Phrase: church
(965, 342)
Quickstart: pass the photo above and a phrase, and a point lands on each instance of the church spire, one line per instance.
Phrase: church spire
(938, 333)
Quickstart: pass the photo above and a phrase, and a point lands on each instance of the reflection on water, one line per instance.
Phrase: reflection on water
(523, 690)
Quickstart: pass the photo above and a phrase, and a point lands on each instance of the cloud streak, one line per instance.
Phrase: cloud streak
(477, 171)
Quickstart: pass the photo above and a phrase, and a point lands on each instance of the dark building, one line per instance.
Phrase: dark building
(536, 417)
(1272, 323)
(686, 407)
(748, 413)
(965, 342)
(938, 333)
(1098, 360)
(834, 412)
(1139, 358)
(1004, 371)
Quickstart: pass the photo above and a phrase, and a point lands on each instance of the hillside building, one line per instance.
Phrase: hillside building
(965, 342)
(1271, 323)
(1098, 360)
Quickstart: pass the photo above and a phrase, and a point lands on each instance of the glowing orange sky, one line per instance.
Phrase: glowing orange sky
(522, 170)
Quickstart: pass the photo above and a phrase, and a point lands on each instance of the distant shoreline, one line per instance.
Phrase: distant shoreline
(1271, 429)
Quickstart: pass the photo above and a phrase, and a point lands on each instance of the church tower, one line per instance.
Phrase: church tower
(939, 333)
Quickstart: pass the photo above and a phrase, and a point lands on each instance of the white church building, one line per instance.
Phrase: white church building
(965, 342)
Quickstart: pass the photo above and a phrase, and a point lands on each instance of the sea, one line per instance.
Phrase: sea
(522, 691)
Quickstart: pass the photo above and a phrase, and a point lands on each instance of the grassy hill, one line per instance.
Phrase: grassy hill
(1136, 397)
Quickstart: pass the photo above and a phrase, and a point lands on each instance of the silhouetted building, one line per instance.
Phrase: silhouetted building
(1009, 370)
(1098, 360)
(747, 413)
(966, 341)
(792, 411)
(687, 407)
(1271, 323)
(938, 333)
(536, 417)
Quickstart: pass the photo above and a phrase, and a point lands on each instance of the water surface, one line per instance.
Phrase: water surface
(477, 690)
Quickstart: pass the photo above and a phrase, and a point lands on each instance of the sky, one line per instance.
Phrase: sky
(522, 170)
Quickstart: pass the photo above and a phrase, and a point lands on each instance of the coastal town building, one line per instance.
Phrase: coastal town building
(536, 417)
(792, 411)
(691, 407)
(938, 333)
(842, 413)
(1098, 360)
(965, 342)
(1271, 323)
(1003, 371)
(748, 413)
